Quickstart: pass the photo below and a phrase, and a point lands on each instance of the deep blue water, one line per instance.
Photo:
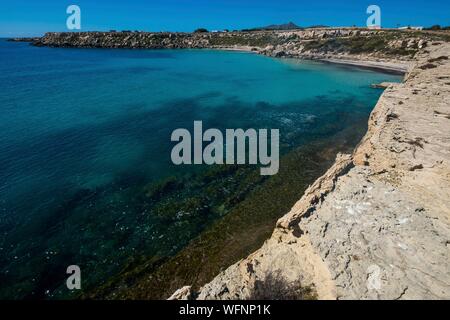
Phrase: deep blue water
(81, 128)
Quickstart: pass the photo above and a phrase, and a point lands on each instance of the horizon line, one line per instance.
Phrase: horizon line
(41, 34)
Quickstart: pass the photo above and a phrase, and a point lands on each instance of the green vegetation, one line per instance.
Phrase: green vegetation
(201, 30)
(437, 27)
(359, 44)
(440, 58)
(428, 66)
(276, 287)
(261, 40)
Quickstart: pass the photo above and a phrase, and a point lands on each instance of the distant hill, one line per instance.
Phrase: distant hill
(319, 26)
(285, 26)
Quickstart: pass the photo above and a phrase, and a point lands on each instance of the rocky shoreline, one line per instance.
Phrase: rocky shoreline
(377, 224)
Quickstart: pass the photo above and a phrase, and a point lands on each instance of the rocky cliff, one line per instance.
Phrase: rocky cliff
(377, 224)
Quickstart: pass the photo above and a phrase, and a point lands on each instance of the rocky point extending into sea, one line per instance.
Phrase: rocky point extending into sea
(392, 50)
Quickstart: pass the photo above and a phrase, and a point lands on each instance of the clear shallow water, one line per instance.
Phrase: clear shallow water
(84, 131)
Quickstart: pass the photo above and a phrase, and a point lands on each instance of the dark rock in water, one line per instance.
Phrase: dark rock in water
(279, 53)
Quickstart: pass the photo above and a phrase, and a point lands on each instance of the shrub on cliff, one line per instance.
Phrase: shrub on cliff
(201, 30)
(434, 27)
(276, 287)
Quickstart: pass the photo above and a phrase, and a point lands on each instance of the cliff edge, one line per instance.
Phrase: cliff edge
(377, 224)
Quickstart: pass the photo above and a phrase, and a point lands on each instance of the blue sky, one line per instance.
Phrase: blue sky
(32, 18)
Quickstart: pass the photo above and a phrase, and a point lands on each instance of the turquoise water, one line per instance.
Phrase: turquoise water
(84, 131)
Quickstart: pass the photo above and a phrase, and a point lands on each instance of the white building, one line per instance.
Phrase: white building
(411, 28)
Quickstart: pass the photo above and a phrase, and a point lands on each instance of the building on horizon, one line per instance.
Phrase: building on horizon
(411, 28)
